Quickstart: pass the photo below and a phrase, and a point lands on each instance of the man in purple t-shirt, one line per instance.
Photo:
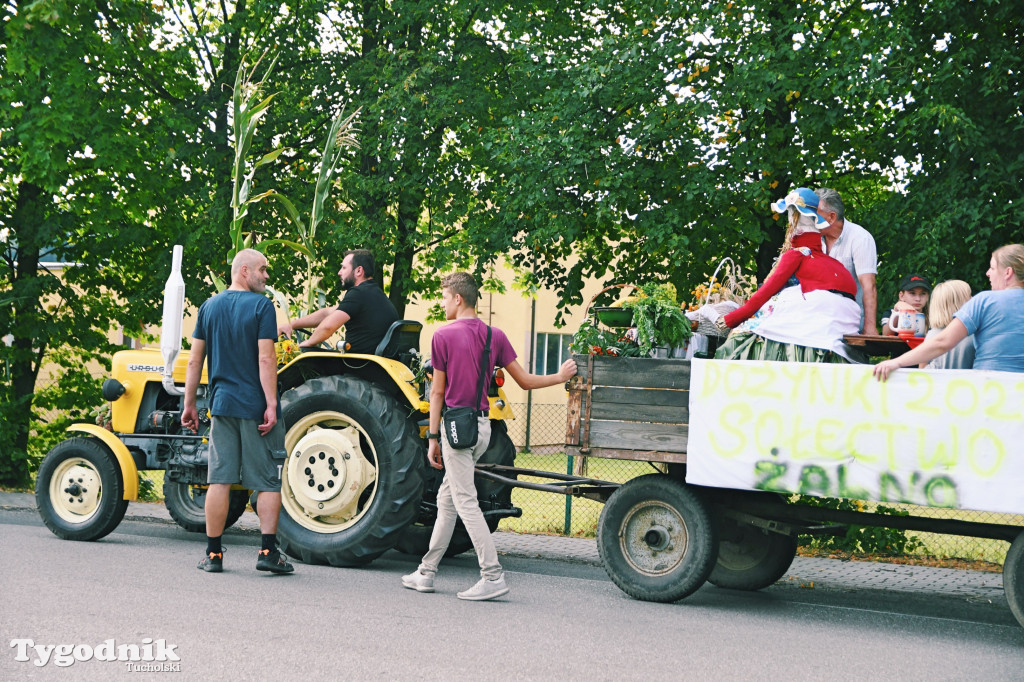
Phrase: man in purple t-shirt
(455, 356)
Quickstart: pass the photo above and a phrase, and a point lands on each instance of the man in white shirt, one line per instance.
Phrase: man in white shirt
(854, 247)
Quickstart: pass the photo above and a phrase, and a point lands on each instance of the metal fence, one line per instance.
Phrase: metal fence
(545, 512)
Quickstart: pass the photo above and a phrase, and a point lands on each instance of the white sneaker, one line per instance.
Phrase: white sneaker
(419, 581)
(485, 589)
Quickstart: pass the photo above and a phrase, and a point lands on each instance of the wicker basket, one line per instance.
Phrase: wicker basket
(602, 313)
(705, 316)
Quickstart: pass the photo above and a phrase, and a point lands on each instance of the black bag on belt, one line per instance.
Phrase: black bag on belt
(459, 423)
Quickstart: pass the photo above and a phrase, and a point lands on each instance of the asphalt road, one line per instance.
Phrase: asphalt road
(563, 621)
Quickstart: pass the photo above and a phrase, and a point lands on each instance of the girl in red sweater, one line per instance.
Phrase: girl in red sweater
(815, 303)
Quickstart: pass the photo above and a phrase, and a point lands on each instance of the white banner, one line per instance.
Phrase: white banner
(952, 439)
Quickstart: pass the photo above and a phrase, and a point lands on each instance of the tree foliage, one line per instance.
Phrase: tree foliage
(954, 77)
(622, 140)
(114, 145)
(82, 146)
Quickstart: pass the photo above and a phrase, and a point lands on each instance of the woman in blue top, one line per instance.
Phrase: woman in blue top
(996, 318)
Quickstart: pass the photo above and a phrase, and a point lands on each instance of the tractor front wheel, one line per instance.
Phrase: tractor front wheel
(80, 490)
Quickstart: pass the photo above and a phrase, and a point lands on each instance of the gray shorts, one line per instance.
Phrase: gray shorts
(239, 454)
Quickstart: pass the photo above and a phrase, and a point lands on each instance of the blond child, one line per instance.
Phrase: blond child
(947, 298)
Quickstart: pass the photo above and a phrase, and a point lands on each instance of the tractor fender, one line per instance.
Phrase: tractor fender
(129, 473)
(350, 363)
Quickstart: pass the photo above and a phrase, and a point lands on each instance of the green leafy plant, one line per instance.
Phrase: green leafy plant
(658, 319)
(148, 490)
(592, 339)
(418, 364)
(860, 539)
(248, 106)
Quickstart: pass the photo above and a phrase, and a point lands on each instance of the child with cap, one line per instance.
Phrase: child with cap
(914, 290)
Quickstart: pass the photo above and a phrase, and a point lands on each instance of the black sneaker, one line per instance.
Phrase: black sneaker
(212, 563)
(273, 561)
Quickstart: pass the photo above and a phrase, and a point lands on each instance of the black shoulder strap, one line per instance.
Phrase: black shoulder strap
(483, 369)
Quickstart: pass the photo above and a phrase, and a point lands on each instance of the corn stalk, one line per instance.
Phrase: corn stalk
(248, 108)
(340, 136)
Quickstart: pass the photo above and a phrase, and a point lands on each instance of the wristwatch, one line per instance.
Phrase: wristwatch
(435, 436)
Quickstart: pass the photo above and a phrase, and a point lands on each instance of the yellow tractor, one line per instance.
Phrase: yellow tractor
(354, 484)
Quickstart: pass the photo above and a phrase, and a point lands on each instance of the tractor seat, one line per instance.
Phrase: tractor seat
(401, 341)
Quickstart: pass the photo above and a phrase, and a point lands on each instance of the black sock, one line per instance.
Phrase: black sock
(213, 545)
(269, 541)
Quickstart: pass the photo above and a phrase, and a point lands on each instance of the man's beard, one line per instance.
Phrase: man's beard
(347, 284)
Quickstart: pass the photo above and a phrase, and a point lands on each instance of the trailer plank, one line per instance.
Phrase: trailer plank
(643, 396)
(638, 436)
(645, 372)
(637, 455)
(637, 412)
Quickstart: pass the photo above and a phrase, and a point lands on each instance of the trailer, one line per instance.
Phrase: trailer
(735, 442)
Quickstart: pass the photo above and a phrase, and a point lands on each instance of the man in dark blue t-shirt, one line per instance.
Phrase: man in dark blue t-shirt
(236, 330)
(366, 311)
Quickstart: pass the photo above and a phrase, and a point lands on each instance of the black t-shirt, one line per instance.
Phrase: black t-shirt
(370, 312)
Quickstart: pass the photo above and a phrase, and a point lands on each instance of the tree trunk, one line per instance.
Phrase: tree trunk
(768, 249)
(409, 210)
(29, 343)
(223, 158)
(778, 127)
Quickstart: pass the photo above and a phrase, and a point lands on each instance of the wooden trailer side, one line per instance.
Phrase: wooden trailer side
(629, 408)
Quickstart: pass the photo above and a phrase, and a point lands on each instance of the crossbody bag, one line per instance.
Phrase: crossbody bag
(459, 423)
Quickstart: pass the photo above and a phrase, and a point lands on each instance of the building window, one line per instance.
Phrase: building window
(550, 351)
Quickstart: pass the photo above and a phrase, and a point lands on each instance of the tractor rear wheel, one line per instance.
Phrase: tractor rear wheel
(353, 476)
(80, 490)
(187, 505)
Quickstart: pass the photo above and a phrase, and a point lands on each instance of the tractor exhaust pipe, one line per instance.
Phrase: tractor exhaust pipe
(170, 333)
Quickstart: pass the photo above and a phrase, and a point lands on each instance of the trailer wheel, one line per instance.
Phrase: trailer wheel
(415, 539)
(352, 479)
(750, 558)
(187, 505)
(1013, 577)
(80, 491)
(656, 539)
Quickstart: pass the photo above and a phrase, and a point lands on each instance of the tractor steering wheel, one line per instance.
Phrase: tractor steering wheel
(302, 333)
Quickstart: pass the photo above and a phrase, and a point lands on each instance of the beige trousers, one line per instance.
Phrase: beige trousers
(456, 499)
